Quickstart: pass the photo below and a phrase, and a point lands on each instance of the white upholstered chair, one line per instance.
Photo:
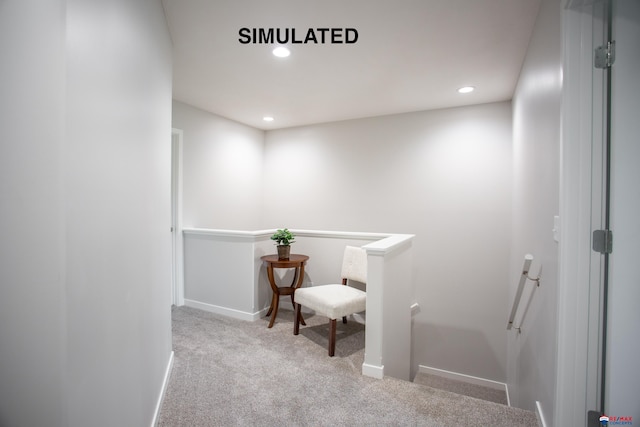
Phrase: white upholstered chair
(335, 301)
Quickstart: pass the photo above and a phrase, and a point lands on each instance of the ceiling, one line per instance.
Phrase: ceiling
(410, 55)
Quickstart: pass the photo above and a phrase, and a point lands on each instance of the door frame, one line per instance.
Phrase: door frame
(177, 288)
(580, 275)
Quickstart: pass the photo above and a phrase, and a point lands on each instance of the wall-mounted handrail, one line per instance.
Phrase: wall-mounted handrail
(528, 259)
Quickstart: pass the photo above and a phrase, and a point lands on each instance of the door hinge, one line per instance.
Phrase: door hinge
(603, 241)
(605, 55)
(593, 419)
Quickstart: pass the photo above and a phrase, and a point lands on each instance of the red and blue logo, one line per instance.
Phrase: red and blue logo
(615, 421)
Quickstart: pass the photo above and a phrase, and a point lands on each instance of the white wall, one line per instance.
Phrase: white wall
(222, 170)
(536, 139)
(221, 271)
(32, 306)
(86, 101)
(117, 194)
(444, 176)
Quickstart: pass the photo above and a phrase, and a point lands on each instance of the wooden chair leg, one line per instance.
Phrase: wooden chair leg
(296, 322)
(332, 337)
(302, 319)
(298, 312)
(344, 318)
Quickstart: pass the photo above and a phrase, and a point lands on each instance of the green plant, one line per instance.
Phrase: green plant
(283, 237)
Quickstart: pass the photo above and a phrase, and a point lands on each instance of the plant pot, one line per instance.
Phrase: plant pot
(284, 251)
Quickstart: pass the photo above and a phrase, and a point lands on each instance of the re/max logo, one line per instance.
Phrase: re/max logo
(609, 420)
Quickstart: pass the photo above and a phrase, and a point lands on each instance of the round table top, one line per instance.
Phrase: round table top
(294, 259)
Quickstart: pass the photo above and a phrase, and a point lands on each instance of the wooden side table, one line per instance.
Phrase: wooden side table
(296, 261)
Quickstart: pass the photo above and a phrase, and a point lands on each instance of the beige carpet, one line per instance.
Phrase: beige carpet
(460, 387)
(235, 373)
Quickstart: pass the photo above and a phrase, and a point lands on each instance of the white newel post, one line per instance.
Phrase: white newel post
(373, 365)
(388, 330)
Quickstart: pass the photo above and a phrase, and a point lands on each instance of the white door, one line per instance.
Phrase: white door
(581, 293)
(622, 369)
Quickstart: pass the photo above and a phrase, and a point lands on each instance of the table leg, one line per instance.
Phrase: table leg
(298, 278)
(271, 306)
(274, 303)
(275, 298)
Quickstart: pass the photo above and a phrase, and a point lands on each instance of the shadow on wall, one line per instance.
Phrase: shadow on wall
(264, 288)
(445, 342)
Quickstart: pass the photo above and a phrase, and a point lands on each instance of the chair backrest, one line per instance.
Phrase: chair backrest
(354, 264)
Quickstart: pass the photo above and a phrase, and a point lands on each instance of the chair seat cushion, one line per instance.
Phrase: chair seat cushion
(333, 301)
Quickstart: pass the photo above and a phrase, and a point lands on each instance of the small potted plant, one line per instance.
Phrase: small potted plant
(283, 238)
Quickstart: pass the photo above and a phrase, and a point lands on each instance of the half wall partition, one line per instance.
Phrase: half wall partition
(223, 274)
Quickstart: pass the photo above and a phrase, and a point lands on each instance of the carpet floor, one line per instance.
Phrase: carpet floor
(460, 387)
(229, 372)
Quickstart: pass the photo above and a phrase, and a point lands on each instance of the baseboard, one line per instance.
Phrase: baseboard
(540, 415)
(230, 312)
(163, 390)
(373, 371)
(496, 385)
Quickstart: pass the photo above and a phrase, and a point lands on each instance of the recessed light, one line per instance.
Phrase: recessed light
(267, 118)
(466, 89)
(281, 52)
